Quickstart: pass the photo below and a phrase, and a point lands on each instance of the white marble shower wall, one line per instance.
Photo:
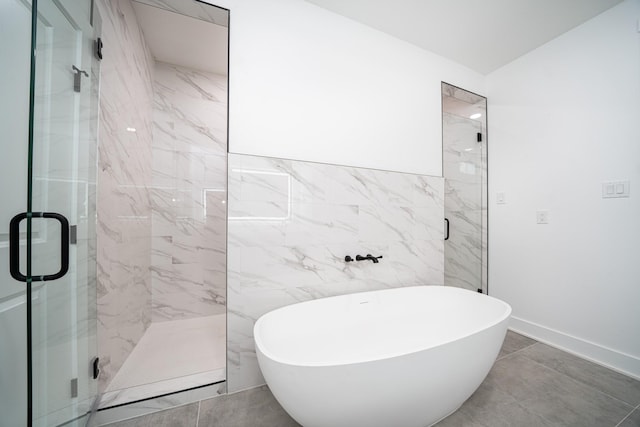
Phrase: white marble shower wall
(124, 176)
(189, 193)
(291, 223)
(161, 190)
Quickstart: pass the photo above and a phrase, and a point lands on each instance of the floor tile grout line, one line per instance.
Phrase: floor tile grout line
(521, 405)
(198, 414)
(516, 351)
(581, 383)
(627, 416)
(562, 373)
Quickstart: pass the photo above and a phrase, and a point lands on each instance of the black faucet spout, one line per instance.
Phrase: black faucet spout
(368, 257)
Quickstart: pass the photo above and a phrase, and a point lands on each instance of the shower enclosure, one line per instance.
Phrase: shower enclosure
(113, 221)
(464, 148)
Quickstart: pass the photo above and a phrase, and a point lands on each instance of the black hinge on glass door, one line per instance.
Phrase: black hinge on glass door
(14, 246)
(77, 78)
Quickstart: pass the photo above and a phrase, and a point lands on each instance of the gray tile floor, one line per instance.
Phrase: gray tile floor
(531, 384)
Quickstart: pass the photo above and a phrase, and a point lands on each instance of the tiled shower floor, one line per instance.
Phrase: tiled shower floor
(530, 385)
(170, 356)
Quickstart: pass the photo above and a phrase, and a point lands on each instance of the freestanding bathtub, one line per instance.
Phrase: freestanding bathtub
(400, 357)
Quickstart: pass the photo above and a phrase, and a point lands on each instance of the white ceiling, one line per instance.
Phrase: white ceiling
(181, 40)
(483, 35)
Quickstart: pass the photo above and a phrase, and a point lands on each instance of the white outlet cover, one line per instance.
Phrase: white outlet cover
(542, 217)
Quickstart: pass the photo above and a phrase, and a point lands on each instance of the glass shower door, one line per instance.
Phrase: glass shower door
(464, 171)
(15, 23)
(52, 235)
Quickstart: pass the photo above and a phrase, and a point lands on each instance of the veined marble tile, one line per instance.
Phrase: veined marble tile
(164, 164)
(282, 267)
(386, 223)
(198, 10)
(461, 94)
(428, 192)
(418, 264)
(385, 188)
(162, 181)
(181, 291)
(242, 367)
(429, 223)
(277, 258)
(485, 248)
(463, 250)
(464, 166)
(124, 174)
(254, 232)
(317, 224)
(463, 195)
(192, 106)
(189, 193)
(248, 183)
(462, 153)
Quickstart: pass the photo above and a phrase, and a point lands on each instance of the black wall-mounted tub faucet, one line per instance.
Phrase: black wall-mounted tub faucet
(368, 257)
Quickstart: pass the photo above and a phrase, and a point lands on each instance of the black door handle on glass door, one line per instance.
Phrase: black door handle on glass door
(14, 246)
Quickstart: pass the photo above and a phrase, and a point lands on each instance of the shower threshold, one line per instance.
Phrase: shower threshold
(171, 356)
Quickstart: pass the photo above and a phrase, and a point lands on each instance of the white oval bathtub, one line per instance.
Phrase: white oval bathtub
(399, 357)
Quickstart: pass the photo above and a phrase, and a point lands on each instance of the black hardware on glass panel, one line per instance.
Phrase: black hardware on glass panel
(479, 290)
(446, 234)
(74, 387)
(73, 234)
(77, 78)
(368, 257)
(95, 367)
(348, 258)
(14, 246)
(98, 48)
(479, 137)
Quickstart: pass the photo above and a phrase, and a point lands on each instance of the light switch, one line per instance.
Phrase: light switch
(615, 189)
(501, 198)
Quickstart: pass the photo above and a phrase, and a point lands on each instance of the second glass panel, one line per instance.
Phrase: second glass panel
(162, 195)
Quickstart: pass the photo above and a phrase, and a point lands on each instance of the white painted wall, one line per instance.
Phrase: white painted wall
(307, 84)
(310, 85)
(563, 119)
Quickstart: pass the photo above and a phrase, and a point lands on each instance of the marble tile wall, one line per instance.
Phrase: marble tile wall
(291, 223)
(194, 9)
(463, 169)
(124, 177)
(189, 195)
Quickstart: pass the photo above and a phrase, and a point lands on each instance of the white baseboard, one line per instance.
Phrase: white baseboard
(612, 359)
